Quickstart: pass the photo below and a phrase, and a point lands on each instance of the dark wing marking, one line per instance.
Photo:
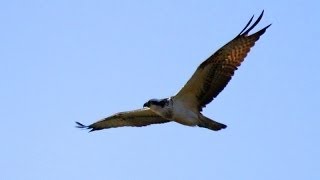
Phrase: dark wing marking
(136, 118)
(212, 76)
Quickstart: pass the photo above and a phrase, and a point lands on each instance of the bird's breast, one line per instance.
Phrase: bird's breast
(184, 115)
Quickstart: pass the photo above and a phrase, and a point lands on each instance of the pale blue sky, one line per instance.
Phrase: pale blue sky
(67, 61)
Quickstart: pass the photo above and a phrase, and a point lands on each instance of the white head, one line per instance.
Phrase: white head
(160, 103)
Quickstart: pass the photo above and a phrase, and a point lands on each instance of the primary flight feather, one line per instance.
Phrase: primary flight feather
(210, 78)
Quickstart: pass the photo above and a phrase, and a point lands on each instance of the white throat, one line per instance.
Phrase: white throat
(165, 111)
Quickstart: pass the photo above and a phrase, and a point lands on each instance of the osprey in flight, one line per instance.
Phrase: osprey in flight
(205, 84)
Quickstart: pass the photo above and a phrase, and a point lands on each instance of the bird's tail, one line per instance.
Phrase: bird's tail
(211, 124)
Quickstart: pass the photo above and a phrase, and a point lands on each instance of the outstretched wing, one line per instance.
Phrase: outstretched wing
(213, 75)
(136, 118)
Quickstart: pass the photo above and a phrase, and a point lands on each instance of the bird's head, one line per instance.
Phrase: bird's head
(156, 102)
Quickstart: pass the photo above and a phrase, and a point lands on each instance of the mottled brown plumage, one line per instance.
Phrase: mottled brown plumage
(136, 118)
(212, 76)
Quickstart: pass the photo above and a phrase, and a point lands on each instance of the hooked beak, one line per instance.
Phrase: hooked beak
(147, 104)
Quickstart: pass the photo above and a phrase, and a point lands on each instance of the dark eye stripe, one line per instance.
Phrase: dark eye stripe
(161, 102)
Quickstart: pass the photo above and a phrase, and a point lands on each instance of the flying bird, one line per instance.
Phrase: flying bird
(210, 78)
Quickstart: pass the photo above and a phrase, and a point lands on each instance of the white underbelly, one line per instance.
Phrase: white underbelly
(184, 116)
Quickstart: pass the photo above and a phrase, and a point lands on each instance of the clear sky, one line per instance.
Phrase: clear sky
(66, 61)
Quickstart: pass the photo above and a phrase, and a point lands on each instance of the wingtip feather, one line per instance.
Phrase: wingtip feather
(80, 125)
(246, 31)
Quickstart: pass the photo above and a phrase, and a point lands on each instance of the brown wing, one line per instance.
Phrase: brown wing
(213, 75)
(136, 118)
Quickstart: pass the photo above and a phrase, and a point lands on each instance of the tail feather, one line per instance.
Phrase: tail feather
(211, 124)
